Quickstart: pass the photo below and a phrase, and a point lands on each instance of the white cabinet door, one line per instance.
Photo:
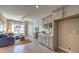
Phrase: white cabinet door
(51, 42)
(39, 38)
(58, 14)
(44, 21)
(49, 19)
(71, 10)
(42, 40)
(46, 42)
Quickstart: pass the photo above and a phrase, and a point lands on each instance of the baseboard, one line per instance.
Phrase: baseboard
(69, 51)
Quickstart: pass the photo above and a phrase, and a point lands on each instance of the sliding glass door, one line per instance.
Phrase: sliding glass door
(18, 28)
(1, 26)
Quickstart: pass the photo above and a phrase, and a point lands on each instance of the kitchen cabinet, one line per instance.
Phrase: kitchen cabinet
(46, 40)
(71, 10)
(47, 22)
(50, 42)
(58, 14)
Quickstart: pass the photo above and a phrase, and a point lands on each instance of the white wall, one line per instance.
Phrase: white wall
(31, 26)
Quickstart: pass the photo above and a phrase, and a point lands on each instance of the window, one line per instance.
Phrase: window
(18, 28)
(1, 26)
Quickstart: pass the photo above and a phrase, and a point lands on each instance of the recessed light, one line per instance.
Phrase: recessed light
(37, 6)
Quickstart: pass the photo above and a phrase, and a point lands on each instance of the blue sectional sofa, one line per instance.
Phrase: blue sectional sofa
(6, 40)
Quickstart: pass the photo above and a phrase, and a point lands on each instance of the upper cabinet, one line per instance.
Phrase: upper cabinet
(65, 11)
(58, 14)
(44, 20)
(47, 22)
(47, 19)
(71, 10)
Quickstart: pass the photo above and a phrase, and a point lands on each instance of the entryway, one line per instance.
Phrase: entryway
(67, 33)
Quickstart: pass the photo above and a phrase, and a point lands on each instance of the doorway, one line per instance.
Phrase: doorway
(18, 28)
(67, 34)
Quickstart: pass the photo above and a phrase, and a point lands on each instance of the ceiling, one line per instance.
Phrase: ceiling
(17, 11)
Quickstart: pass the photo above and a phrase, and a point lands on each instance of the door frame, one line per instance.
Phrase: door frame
(56, 26)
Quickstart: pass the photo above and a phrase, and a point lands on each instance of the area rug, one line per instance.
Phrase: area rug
(18, 42)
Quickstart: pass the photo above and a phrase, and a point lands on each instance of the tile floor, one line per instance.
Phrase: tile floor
(32, 47)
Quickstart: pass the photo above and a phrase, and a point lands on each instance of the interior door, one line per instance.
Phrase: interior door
(68, 34)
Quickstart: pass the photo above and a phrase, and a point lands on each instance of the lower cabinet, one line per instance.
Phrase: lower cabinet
(42, 40)
(46, 40)
(50, 42)
(39, 38)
